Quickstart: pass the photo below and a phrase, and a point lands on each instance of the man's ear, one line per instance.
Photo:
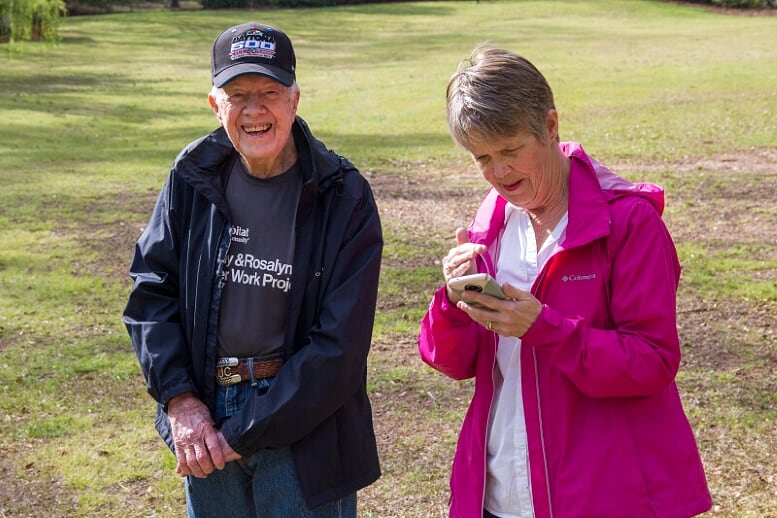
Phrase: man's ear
(295, 99)
(215, 106)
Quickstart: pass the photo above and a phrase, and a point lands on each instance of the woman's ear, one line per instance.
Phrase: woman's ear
(551, 125)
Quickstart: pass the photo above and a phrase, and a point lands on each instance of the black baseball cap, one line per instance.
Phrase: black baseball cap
(253, 48)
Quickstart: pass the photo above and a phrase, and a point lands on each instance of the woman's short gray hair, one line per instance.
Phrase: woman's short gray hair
(497, 93)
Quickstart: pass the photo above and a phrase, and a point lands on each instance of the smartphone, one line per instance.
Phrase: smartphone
(480, 282)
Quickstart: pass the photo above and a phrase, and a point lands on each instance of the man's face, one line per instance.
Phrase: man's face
(257, 113)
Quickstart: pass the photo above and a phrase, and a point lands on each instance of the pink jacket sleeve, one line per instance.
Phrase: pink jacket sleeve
(640, 355)
(448, 340)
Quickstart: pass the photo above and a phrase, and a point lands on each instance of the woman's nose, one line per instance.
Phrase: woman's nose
(500, 168)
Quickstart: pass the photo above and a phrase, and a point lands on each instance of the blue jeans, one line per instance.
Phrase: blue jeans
(262, 485)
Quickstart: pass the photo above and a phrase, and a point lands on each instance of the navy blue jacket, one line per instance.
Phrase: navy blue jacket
(318, 403)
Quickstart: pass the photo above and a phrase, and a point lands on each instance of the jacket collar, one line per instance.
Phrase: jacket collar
(589, 213)
(206, 162)
(592, 187)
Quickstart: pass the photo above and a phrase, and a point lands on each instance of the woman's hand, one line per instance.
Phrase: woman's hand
(511, 317)
(460, 260)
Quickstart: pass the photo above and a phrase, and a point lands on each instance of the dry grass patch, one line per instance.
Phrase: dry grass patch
(727, 380)
(717, 204)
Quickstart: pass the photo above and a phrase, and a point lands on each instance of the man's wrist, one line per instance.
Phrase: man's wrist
(178, 399)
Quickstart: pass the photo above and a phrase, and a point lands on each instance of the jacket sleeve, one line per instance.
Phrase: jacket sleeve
(152, 313)
(640, 354)
(448, 339)
(328, 371)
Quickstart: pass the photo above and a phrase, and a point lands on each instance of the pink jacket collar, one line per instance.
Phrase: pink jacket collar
(591, 187)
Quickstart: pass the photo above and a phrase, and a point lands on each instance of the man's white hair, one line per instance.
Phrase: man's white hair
(219, 94)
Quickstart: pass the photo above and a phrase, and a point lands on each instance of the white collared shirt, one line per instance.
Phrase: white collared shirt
(508, 492)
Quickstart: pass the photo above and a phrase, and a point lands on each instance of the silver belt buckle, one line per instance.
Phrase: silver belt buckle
(225, 376)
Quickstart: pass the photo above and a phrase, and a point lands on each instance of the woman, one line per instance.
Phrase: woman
(575, 412)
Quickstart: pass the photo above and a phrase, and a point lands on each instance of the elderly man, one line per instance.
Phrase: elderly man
(253, 302)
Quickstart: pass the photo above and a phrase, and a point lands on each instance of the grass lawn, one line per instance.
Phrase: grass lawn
(658, 91)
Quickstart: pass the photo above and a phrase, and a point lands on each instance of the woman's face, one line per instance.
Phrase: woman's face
(521, 167)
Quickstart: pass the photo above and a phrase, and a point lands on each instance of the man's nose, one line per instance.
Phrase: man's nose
(255, 102)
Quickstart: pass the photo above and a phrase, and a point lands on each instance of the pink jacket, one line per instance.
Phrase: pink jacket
(607, 434)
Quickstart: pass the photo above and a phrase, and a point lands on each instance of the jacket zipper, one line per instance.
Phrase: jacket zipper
(537, 283)
(542, 435)
(495, 338)
(489, 267)
(217, 286)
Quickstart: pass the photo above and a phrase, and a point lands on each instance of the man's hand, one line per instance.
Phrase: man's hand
(199, 447)
(226, 449)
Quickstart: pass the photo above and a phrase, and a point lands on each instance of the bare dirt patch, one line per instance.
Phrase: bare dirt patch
(730, 355)
(727, 199)
(720, 201)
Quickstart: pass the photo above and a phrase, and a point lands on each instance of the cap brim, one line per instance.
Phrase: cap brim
(241, 69)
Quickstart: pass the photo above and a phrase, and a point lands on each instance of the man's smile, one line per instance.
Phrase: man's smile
(256, 130)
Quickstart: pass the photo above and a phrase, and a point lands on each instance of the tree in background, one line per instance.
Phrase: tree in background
(30, 19)
(740, 4)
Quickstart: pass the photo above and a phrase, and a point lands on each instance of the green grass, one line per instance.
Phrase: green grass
(89, 128)
(731, 272)
(636, 79)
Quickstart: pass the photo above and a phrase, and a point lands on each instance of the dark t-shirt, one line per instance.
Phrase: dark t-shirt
(257, 272)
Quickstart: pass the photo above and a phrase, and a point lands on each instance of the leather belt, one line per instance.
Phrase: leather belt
(232, 370)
